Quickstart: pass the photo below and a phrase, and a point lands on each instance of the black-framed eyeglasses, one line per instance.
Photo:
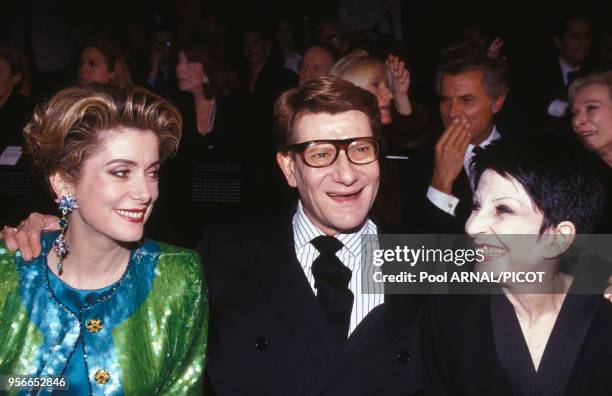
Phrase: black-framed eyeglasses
(322, 153)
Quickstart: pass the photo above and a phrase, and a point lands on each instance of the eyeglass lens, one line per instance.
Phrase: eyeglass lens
(324, 153)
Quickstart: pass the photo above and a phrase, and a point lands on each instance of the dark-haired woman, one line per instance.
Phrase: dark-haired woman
(548, 336)
(202, 182)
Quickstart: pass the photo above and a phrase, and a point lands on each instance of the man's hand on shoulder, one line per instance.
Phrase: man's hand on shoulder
(26, 237)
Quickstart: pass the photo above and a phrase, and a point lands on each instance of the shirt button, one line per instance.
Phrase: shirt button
(403, 358)
(450, 205)
(102, 376)
(261, 344)
(94, 325)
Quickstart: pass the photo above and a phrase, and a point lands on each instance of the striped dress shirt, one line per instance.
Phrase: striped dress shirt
(367, 294)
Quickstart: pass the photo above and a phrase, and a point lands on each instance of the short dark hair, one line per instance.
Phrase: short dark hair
(558, 174)
(324, 94)
(466, 58)
(330, 49)
(561, 23)
(221, 77)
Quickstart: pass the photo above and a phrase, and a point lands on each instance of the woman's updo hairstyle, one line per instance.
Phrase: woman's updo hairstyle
(68, 129)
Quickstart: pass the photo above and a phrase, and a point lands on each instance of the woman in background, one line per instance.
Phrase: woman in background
(203, 181)
(403, 121)
(403, 124)
(591, 105)
(102, 61)
(112, 312)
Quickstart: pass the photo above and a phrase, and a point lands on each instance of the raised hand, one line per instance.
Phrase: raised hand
(495, 48)
(449, 155)
(399, 77)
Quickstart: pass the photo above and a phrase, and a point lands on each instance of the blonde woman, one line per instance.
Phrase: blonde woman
(110, 311)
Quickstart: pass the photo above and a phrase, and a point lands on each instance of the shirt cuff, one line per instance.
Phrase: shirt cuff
(443, 201)
(557, 108)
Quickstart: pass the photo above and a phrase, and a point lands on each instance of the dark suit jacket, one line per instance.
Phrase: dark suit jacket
(548, 85)
(267, 330)
(465, 352)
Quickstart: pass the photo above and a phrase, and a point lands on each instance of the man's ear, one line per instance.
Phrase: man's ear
(60, 185)
(557, 41)
(562, 236)
(498, 103)
(287, 164)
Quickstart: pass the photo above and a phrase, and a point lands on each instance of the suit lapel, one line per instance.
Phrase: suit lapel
(375, 332)
(284, 283)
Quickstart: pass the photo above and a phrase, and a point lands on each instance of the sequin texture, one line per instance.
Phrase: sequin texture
(152, 331)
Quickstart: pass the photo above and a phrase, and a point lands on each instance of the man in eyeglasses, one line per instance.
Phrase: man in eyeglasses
(289, 316)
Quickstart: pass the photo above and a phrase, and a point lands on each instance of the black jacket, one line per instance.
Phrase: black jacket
(267, 330)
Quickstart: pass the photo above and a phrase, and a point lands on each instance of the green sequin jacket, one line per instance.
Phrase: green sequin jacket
(146, 336)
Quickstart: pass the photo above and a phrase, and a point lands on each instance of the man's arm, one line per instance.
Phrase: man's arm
(26, 237)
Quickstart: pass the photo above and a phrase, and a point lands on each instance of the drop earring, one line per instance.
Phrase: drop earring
(66, 204)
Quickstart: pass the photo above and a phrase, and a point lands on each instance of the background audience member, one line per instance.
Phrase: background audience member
(15, 109)
(287, 43)
(318, 60)
(162, 77)
(389, 82)
(20, 189)
(403, 127)
(203, 181)
(573, 40)
(334, 33)
(437, 183)
(102, 61)
(263, 78)
(591, 105)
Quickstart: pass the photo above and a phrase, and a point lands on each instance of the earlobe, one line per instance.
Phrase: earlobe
(286, 163)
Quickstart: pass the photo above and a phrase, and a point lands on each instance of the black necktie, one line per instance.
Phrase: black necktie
(331, 281)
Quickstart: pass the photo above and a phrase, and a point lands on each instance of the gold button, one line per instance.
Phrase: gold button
(102, 376)
(94, 325)
(450, 205)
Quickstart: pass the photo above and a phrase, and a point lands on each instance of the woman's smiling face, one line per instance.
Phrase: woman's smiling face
(117, 186)
(505, 224)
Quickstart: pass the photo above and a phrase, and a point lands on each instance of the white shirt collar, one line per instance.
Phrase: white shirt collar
(305, 231)
(493, 136)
